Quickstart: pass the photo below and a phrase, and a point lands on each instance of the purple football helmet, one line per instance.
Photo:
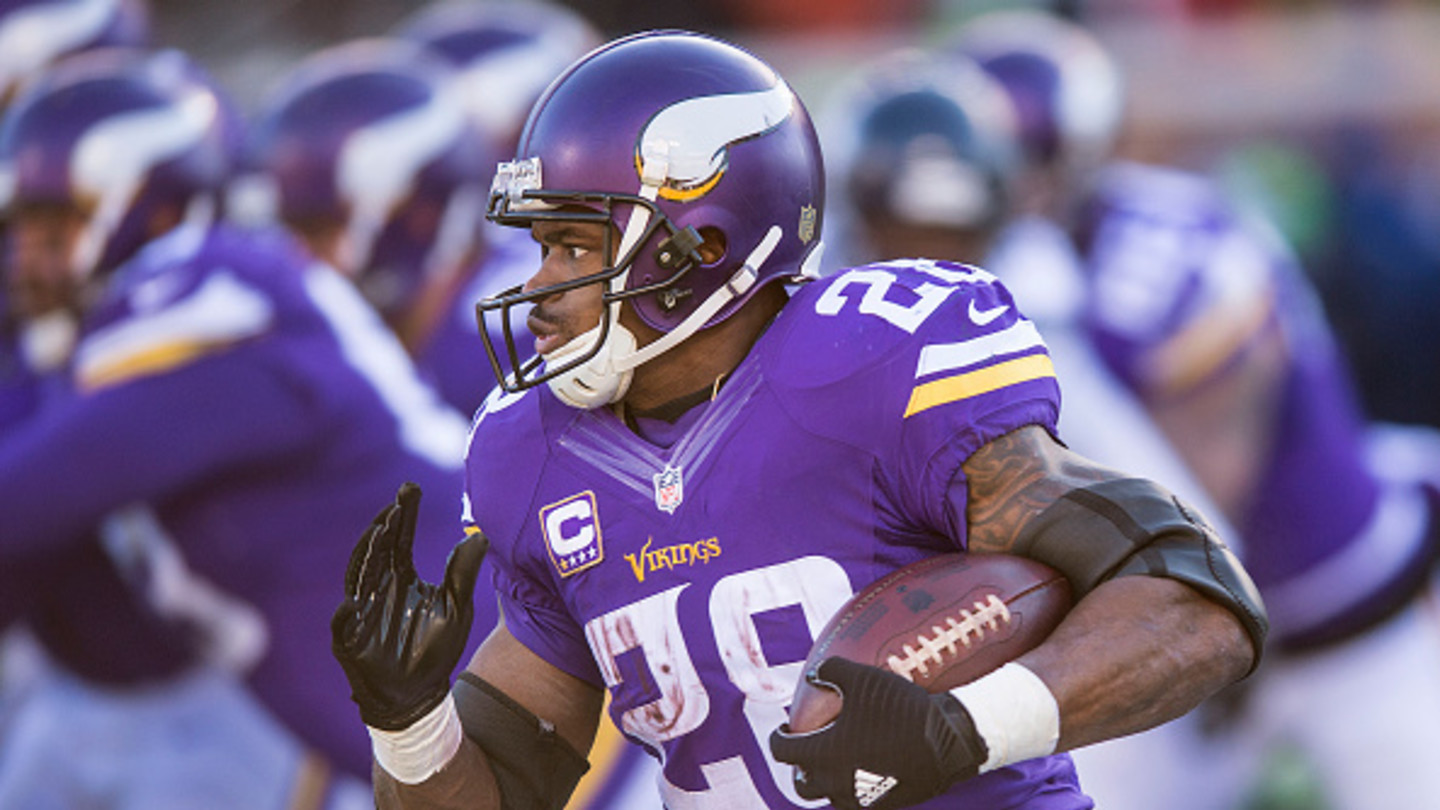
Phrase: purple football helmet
(366, 137)
(1067, 90)
(37, 33)
(627, 138)
(119, 134)
(505, 53)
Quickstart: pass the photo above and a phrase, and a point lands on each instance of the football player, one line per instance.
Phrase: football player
(367, 155)
(1165, 232)
(227, 408)
(33, 35)
(1207, 316)
(1066, 93)
(699, 466)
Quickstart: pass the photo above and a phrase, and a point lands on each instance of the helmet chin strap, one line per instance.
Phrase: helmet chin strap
(739, 284)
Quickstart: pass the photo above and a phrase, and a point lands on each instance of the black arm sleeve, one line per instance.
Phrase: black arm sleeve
(1133, 527)
(535, 768)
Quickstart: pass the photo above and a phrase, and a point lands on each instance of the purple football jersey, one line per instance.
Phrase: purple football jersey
(689, 572)
(239, 415)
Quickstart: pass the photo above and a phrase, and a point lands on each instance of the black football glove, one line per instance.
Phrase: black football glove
(892, 745)
(397, 636)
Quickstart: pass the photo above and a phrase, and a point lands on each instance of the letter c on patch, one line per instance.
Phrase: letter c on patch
(572, 533)
(556, 521)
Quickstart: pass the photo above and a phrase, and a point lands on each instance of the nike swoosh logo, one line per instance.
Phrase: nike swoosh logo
(984, 316)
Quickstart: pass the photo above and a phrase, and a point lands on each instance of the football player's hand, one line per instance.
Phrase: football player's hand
(397, 636)
(892, 745)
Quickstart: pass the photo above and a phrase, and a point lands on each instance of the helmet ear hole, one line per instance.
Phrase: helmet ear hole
(714, 247)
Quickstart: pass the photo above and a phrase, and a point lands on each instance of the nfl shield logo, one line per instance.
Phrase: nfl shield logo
(806, 231)
(669, 489)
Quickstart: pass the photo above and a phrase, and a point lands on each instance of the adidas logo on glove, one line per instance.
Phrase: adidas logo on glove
(870, 787)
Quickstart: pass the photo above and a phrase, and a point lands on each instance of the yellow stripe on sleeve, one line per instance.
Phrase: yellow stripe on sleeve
(94, 376)
(980, 381)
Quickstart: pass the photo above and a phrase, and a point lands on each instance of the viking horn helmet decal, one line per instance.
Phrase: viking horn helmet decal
(692, 138)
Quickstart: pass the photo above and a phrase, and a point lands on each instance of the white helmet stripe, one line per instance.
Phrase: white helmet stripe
(113, 158)
(499, 87)
(119, 151)
(33, 37)
(377, 166)
(380, 161)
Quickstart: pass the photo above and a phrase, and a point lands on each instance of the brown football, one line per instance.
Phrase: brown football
(941, 622)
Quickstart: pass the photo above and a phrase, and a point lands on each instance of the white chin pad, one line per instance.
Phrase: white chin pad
(599, 380)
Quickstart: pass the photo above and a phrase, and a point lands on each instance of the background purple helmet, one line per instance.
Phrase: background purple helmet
(36, 33)
(505, 54)
(672, 136)
(1067, 90)
(120, 133)
(934, 143)
(367, 135)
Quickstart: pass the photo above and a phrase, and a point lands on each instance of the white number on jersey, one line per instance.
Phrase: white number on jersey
(818, 585)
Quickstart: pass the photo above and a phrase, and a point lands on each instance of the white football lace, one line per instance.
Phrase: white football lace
(969, 627)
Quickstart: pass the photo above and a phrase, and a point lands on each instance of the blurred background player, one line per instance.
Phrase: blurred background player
(940, 158)
(1068, 95)
(216, 385)
(440, 100)
(1205, 315)
(33, 35)
(412, 236)
(369, 157)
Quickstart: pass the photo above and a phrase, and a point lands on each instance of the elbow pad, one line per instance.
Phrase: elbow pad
(535, 768)
(1132, 526)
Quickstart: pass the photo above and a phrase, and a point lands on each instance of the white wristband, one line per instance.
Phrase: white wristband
(1014, 712)
(414, 754)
